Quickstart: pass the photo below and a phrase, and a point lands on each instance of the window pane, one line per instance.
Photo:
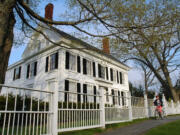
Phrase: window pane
(88, 65)
(32, 69)
(72, 62)
(52, 61)
(72, 88)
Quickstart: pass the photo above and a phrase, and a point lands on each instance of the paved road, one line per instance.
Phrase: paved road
(140, 128)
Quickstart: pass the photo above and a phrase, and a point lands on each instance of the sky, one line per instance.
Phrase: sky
(134, 75)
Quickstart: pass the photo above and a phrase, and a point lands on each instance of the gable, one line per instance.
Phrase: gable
(38, 42)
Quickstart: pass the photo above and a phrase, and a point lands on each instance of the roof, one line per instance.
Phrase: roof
(88, 46)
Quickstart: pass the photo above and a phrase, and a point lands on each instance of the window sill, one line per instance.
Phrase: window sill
(72, 71)
(31, 78)
(52, 71)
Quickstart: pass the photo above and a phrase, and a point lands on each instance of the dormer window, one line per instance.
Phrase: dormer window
(51, 62)
(31, 70)
(17, 73)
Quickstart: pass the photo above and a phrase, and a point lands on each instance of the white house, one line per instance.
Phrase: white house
(89, 70)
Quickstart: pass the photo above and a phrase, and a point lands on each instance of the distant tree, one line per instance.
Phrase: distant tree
(136, 91)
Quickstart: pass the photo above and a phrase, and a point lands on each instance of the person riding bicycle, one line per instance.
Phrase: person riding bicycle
(159, 104)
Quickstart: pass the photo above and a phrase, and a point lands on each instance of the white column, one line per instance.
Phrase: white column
(53, 106)
(102, 108)
(146, 106)
(130, 106)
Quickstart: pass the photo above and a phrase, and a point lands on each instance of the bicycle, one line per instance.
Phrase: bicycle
(160, 113)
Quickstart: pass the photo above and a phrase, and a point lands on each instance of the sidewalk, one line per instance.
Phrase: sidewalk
(140, 128)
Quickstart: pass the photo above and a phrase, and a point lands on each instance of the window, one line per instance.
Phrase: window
(107, 73)
(17, 73)
(72, 88)
(51, 62)
(95, 94)
(86, 67)
(78, 64)
(111, 73)
(31, 70)
(84, 93)
(113, 97)
(117, 77)
(101, 71)
(114, 75)
(78, 92)
(94, 69)
(70, 61)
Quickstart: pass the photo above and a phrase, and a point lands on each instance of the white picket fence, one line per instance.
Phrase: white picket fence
(26, 111)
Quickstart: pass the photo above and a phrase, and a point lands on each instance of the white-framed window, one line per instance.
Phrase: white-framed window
(17, 73)
(51, 62)
(101, 71)
(114, 75)
(87, 67)
(70, 86)
(70, 61)
(31, 69)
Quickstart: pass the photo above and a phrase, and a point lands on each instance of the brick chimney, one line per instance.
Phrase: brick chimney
(49, 11)
(106, 48)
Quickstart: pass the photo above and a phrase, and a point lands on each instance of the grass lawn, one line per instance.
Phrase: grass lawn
(95, 131)
(171, 128)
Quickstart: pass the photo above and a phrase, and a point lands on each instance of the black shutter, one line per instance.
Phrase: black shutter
(111, 72)
(56, 60)
(107, 75)
(113, 97)
(95, 94)
(14, 74)
(84, 92)
(47, 63)
(99, 70)
(94, 69)
(28, 69)
(78, 64)
(120, 75)
(19, 76)
(66, 89)
(117, 77)
(122, 95)
(84, 66)
(67, 60)
(78, 91)
(35, 68)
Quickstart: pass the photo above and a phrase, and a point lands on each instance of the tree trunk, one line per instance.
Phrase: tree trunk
(170, 85)
(7, 22)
